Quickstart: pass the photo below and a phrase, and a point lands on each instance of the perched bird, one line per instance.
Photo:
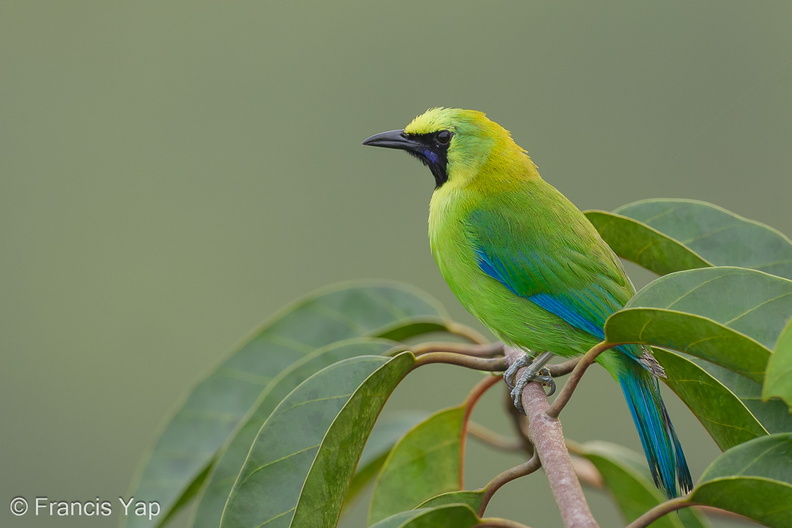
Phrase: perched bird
(528, 264)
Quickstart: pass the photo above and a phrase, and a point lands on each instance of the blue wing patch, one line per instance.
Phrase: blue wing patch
(555, 304)
(497, 274)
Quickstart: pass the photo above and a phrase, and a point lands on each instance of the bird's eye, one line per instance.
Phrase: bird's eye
(443, 137)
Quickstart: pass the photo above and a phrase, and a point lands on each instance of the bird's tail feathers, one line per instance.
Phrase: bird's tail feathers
(660, 443)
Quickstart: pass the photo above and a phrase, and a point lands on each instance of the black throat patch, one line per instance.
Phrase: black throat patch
(433, 154)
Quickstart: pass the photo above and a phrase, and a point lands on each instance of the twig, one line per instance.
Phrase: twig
(493, 439)
(571, 384)
(587, 472)
(658, 511)
(497, 522)
(475, 350)
(548, 439)
(526, 468)
(562, 369)
(476, 363)
(466, 332)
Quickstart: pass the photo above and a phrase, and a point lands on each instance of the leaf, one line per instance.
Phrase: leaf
(729, 316)
(472, 498)
(720, 236)
(691, 334)
(449, 516)
(752, 479)
(669, 235)
(387, 431)
(632, 488)
(773, 415)
(640, 243)
(299, 468)
(215, 406)
(722, 413)
(778, 381)
(424, 463)
(225, 471)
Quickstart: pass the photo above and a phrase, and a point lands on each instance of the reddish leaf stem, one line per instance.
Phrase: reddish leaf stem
(473, 397)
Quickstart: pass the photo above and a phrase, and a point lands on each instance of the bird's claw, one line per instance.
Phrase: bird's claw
(536, 371)
(508, 376)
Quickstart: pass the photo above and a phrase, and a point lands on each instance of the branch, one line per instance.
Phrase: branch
(504, 477)
(496, 522)
(658, 511)
(548, 439)
(471, 362)
(476, 350)
(492, 438)
(562, 369)
(571, 384)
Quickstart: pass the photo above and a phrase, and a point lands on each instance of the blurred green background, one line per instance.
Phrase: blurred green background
(173, 172)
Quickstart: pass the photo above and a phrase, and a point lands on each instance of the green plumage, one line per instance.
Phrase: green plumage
(528, 264)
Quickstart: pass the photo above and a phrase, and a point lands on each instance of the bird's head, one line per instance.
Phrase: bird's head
(457, 145)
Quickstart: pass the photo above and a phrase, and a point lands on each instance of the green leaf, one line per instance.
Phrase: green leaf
(632, 488)
(773, 415)
(753, 479)
(424, 463)
(719, 410)
(729, 316)
(216, 405)
(672, 235)
(778, 382)
(299, 468)
(472, 498)
(221, 480)
(640, 243)
(387, 431)
(718, 235)
(450, 516)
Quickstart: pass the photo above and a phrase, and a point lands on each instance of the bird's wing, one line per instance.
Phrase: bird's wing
(564, 268)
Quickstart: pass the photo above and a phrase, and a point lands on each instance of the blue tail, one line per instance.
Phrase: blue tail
(660, 443)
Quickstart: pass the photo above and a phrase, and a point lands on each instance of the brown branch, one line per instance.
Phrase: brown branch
(526, 468)
(520, 423)
(562, 369)
(474, 350)
(492, 438)
(572, 382)
(547, 437)
(658, 511)
(476, 363)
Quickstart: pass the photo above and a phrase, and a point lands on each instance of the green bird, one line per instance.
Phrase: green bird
(529, 265)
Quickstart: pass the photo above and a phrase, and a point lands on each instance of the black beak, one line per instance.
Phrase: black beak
(395, 139)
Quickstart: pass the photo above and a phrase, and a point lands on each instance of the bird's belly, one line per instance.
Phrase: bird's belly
(513, 319)
(518, 321)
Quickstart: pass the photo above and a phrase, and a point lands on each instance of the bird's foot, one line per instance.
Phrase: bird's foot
(535, 371)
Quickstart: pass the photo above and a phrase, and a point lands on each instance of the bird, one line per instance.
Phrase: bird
(528, 264)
